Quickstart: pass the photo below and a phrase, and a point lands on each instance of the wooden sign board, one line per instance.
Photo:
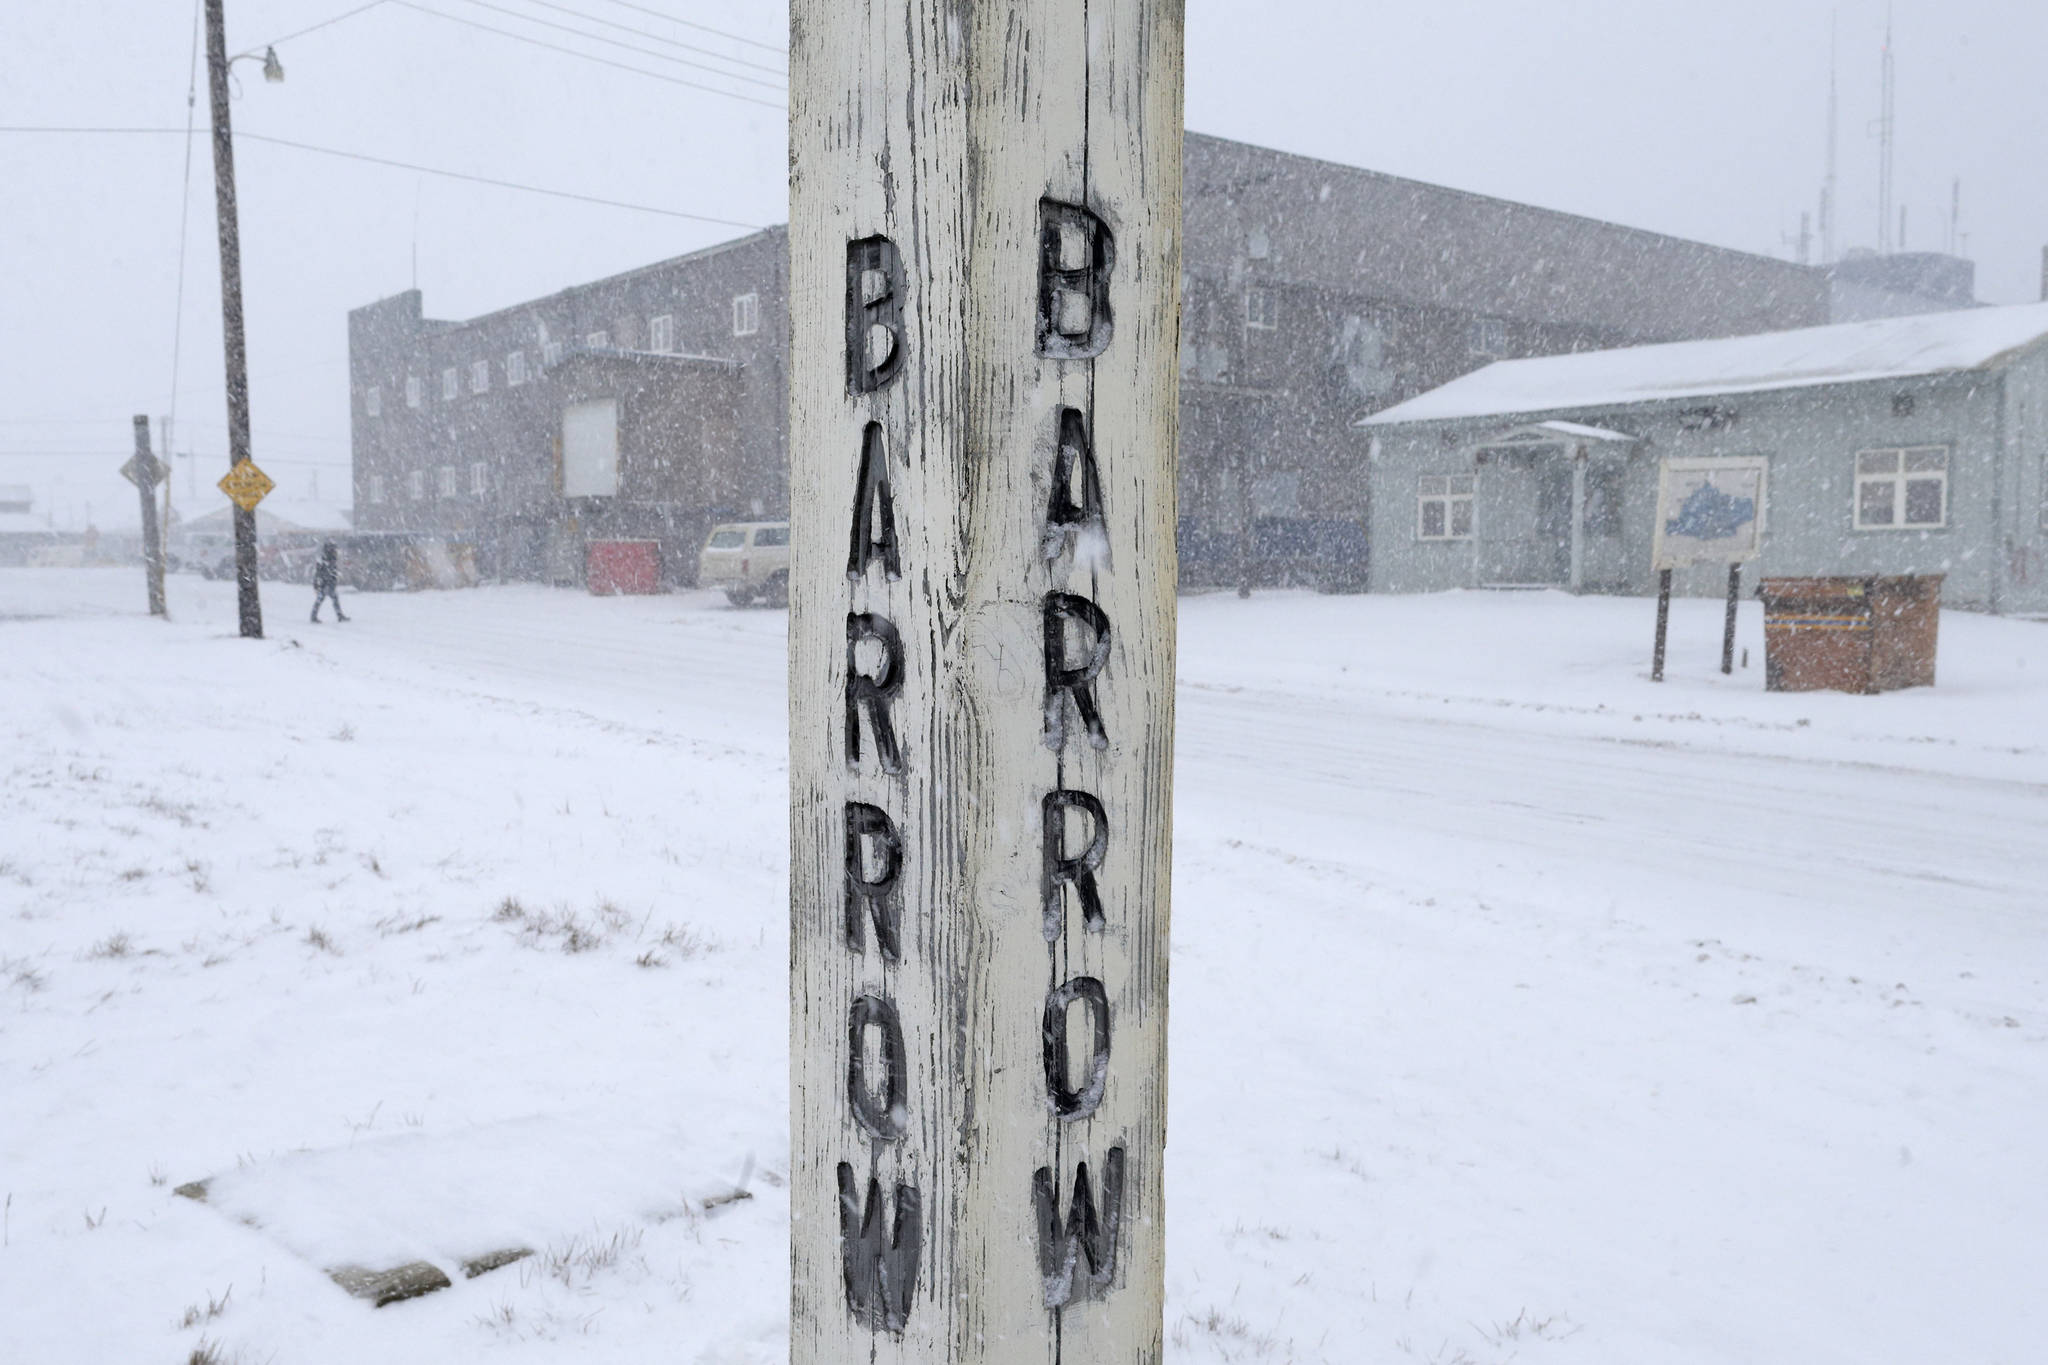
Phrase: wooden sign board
(985, 213)
(1709, 511)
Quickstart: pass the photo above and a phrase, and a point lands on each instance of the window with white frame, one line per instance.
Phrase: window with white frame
(746, 315)
(1261, 309)
(412, 390)
(480, 377)
(376, 488)
(445, 484)
(551, 354)
(1904, 489)
(598, 341)
(373, 401)
(451, 382)
(1443, 506)
(515, 369)
(416, 485)
(661, 333)
(479, 478)
(1489, 338)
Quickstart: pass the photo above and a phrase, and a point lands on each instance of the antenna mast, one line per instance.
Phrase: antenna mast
(1885, 125)
(1827, 187)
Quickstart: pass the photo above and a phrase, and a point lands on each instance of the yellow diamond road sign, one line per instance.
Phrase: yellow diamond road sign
(246, 485)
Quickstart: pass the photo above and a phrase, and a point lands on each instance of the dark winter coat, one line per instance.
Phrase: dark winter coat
(327, 573)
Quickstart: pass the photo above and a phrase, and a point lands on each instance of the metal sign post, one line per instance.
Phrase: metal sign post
(1709, 511)
(985, 214)
(146, 471)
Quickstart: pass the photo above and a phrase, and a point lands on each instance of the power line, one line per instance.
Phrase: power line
(614, 42)
(411, 166)
(587, 56)
(315, 28)
(702, 28)
(657, 37)
(184, 223)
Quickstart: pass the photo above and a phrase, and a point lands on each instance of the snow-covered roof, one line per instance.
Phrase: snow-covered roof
(1847, 353)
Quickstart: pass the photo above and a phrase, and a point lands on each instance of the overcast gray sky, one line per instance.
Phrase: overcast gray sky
(1703, 118)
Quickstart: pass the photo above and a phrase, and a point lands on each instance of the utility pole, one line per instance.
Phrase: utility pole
(144, 471)
(249, 604)
(985, 216)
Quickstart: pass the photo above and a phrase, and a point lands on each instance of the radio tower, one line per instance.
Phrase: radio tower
(1827, 185)
(1885, 125)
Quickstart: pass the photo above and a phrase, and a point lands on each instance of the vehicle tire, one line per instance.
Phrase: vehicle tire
(740, 597)
(775, 592)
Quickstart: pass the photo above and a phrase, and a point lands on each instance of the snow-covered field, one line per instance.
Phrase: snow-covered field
(1522, 1009)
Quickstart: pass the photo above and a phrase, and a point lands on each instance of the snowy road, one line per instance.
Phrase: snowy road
(1522, 1010)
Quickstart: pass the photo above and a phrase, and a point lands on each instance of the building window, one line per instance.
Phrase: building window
(661, 334)
(746, 315)
(376, 488)
(480, 377)
(479, 478)
(551, 354)
(1902, 489)
(515, 369)
(444, 481)
(1261, 310)
(373, 401)
(1443, 506)
(1489, 338)
(412, 390)
(416, 485)
(451, 382)
(598, 341)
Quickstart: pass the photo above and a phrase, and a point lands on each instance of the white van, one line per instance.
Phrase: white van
(750, 560)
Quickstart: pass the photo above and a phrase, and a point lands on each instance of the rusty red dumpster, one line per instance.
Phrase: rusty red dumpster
(1850, 634)
(623, 566)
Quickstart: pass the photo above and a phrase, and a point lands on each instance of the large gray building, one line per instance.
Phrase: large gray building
(1909, 445)
(653, 403)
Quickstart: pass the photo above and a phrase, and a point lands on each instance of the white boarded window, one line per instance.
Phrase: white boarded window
(1902, 490)
(416, 485)
(598, 341)
(479, 478)
(661, 334)
(373, 401)
(590, 449)
(515, 369)
(1261, 310)
(376, 488)
(444, 481)
(412, 390)
(451, 382)
(480, 377)
(1443, 506)
(551, 354)
(746, 315)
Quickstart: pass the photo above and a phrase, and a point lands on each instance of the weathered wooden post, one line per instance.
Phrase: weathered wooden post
(985, 212)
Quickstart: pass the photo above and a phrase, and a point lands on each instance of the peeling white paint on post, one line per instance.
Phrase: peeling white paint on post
(985, 209)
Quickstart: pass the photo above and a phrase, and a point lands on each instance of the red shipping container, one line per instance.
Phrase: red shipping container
(623, 566)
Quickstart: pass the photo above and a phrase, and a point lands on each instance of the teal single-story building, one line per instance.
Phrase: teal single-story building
(1902, 446)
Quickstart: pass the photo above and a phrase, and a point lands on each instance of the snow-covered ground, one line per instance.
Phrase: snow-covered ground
(1522, 1009)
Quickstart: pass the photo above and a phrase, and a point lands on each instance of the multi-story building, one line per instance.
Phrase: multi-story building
(647, 406)
(653, 403)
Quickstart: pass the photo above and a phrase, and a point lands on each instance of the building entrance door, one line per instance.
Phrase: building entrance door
(1524, 521)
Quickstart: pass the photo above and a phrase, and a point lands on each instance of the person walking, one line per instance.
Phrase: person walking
(327, 581)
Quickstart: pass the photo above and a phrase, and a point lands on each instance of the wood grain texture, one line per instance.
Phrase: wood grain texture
(941, 126)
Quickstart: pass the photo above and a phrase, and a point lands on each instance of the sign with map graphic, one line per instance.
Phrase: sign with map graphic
(1709, 511)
